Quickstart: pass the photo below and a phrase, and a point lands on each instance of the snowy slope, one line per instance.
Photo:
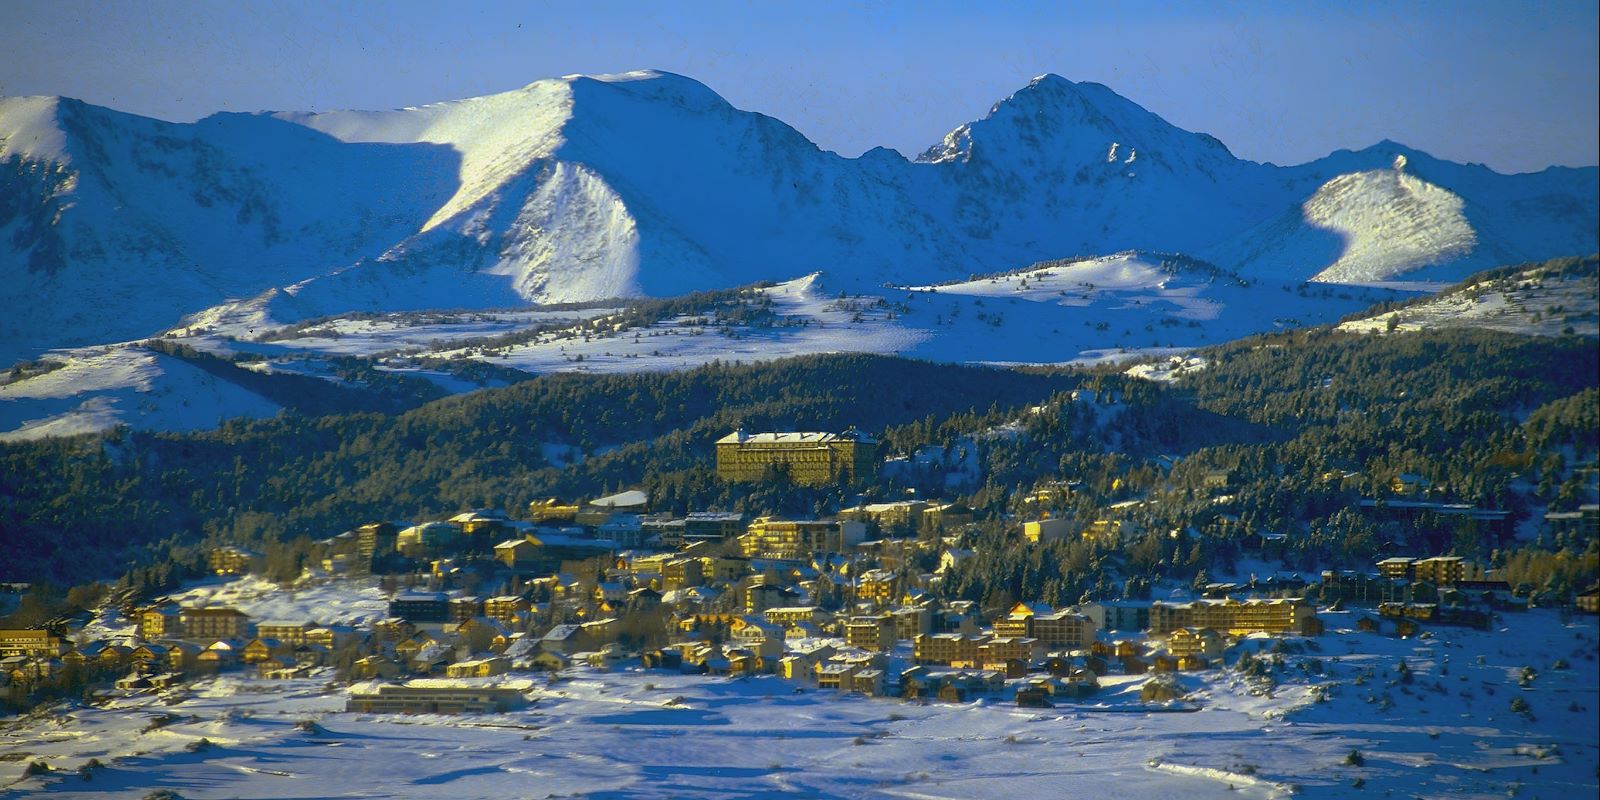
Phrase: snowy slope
(102, 388)
(1550, 299)
(583, 187)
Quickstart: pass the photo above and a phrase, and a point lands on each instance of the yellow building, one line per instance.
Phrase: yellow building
(229, 560)
(878, 586)
(1045, 530)
(900, 518)
(1286, 615)
(30, 643)
(780, 538)
(1202, 642)
(945, 648)
(552, 510)
(290, 633)
(682, 574)
(870, 632)
(813, 459)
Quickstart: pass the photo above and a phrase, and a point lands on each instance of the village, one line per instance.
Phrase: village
(841, 604)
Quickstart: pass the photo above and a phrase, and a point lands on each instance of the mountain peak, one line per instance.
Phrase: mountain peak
(1075, 124)
(653, 84)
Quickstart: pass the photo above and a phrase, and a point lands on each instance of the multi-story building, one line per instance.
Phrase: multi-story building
(434, 697)
(1440, 570)
(1063, 628)
(896, 519)
(793, 539)
(1398, 568)
(813, 459)
(159, 621)
(910, 621)
(1202, 642)
(215, 623)
(1000, 649)
(36, 642)
(946, 516)
(229, 560)
(878, 586)
(788, 615)
(945, 648)
(712, 526)
(682, 574)
(506, 609)
(284, 631)
(427, 539)
(375, 540)
(1282, 615)
(873, 632)
(421, 607)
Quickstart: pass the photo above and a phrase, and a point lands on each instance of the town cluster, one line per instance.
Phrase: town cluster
(835, 604)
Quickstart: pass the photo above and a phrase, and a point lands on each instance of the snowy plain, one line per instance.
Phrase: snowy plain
(1448, 732)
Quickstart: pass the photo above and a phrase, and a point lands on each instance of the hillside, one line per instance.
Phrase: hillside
(647, 183)
(1548, 299)
(1281, 410)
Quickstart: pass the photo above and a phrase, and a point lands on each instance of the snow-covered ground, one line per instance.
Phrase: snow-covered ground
(100, 388)
(1124, 306)
(1528, 303)
(1448, 732)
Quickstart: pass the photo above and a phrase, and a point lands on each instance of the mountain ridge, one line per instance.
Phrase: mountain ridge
(650, 183)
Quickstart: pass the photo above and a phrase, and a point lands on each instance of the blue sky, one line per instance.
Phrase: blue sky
(1512, 85)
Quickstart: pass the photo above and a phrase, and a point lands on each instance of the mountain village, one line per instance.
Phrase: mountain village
(841, 604)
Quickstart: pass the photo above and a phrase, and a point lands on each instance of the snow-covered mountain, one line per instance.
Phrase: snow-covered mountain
(115, 227)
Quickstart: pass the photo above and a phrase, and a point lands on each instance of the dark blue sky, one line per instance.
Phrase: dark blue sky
(1513, 85)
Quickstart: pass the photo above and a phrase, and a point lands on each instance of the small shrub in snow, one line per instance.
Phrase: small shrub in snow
(36, 768)
(1355, 759)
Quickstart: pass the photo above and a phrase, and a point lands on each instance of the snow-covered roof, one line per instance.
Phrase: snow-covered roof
(632, 498)
(793, 437)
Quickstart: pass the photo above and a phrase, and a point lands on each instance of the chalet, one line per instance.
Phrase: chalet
(564, 639)
(1203, 643)
(518, 554)
(310, 655)
(333, 637)
(375, 666)
(218, 656)
(550, 660)
(262, 649)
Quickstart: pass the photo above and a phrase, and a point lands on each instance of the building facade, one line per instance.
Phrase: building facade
(812, 459)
